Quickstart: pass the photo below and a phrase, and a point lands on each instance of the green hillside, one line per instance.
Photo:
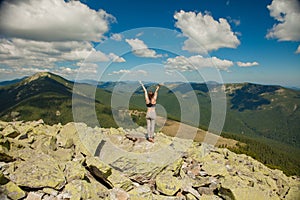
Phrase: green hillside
(268, 111)
(265, 118)
(255, 110)
(49, 97)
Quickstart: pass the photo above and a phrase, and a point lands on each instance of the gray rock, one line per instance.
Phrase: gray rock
(118, 194)
(38, 172)
(168, 184)
(10, 131)
(57, 163)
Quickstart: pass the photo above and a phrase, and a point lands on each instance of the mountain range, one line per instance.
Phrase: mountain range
(264, 117)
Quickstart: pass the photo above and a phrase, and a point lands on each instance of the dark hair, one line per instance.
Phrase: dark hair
(150, 95)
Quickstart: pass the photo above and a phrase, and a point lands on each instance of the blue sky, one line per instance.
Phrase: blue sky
(193, 40)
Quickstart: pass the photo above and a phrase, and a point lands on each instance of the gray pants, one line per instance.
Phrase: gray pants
(150, 117)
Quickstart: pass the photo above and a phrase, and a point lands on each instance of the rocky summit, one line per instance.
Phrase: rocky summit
(74, 161)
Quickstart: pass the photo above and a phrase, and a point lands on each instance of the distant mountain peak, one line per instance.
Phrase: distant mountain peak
(37, 76)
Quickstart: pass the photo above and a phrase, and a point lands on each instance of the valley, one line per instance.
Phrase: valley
(261, 121)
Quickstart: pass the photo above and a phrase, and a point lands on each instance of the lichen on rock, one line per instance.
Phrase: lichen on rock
(74, 161)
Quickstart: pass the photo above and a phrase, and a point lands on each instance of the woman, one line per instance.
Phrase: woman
(150, 99)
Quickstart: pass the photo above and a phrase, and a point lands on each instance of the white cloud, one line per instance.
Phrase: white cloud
(11, 73)
(96, 56)
(122, 71)
(196, 62)
(37, 34)
(116, 58)
(116, 37)
(287, 13)
(87, 67)
(204, 33)
(130, 72)
(53, 20)
(247, 64)
(86, 71)
(140, 49)
(236, 22)
(298, 50)
(140, 72)
(139, 34)
(20, 53)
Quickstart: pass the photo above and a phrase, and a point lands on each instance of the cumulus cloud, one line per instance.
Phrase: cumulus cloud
(96, 56)
(196, 62)
(20, 53)
(287, 13)
(204, 33)
(122, 71)
(116, 37)
(246, 64)
(236, 22)
(53, 20)
(44, 35)
(140, 49)
(11, 73)
(130, 72)
(298, 50)
(89, 70)
(86, 67)
(116, 58)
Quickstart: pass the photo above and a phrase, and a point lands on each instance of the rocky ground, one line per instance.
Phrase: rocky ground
(74, 161)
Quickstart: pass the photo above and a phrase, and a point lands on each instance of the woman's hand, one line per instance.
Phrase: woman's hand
(141, 82)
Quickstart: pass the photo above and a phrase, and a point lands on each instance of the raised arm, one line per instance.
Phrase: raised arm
(146, 93)
(156, 92)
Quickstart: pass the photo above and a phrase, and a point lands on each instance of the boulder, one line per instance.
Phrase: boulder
(38, 172)
(56, 162)
(213, 164)
(62, 154)
(141, 192)
(34, 196)
(244, 193)
(2, 125)
(73, 171)
(81, 189)
(167, 184)
(3, 179)
(210, 197)
(137, 169)
(12, 191)
(25, 153)
(119, 194)
(175, 166)
(189, 189)
(117, 179)
(50, 191)
(237, 188)
(44, 143)
(114, 131)
(85, 139)
(10, 131)
(163, 197)
(189, 196)
(111, 177)
(293, 193)
(5, 155)
(25, 130)
(98, 168)
(78, 189)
